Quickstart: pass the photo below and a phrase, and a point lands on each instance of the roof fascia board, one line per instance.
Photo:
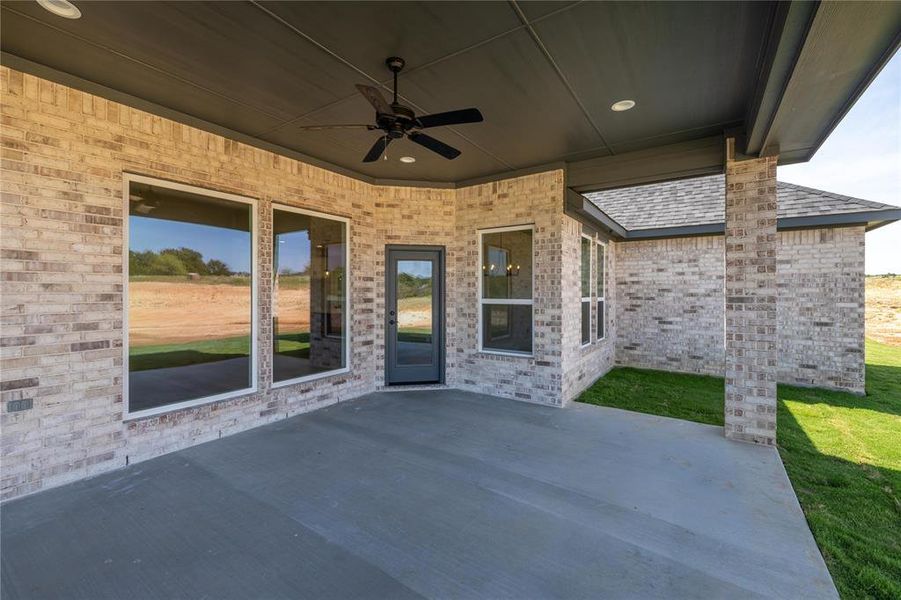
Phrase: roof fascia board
(855, 218)
(680, 231)
(582, 209)
(833, 66)
(705, 156)
(790, 26)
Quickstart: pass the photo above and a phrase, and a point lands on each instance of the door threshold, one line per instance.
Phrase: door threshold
(406, 387)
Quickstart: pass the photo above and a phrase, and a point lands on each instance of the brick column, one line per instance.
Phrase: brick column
(751, 338)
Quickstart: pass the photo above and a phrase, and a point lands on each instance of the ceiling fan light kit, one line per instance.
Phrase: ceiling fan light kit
(396, 121)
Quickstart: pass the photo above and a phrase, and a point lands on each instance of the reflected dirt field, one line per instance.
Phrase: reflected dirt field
(178, 312)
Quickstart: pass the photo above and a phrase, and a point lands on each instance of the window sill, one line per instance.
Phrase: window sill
(308, 378)
(186, 405)
(511, 354)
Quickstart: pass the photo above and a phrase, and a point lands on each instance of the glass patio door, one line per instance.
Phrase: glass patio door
(414, 314)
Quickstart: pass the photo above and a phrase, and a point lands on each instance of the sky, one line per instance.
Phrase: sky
(293, 251)
(862, 158)
(228, 245)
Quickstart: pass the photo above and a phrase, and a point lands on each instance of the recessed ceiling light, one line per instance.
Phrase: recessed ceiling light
(61, 8)
(407, 159)
(622, 105)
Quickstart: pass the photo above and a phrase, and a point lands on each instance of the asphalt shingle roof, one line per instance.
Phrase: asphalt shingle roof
(699, 201)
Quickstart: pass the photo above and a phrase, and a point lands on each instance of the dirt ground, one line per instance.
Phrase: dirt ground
(415, 312)
(172, 313)
(884, 309)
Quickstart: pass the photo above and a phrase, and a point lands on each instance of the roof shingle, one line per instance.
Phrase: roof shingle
(699, 201)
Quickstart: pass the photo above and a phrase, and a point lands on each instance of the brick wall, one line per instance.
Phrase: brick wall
(670, 306)
(583, 365)
(537, 200)
(64, 155)
(413, 216)
(821, 307)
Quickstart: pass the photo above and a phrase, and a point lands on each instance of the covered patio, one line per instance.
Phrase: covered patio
(217, 273)
(434, 493)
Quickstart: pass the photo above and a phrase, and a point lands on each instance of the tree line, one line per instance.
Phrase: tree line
(174, 261)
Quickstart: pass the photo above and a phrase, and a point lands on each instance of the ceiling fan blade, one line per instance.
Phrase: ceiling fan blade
(376, 99)
(434, 145)
(377, 148)
(317, 127)
(454, 117)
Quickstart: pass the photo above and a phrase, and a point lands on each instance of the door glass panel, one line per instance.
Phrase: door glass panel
(414, 312)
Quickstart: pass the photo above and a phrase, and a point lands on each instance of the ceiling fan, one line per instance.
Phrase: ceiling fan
(396, 120)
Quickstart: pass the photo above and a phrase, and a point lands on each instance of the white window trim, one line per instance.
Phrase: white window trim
(127, 180)
(591, 278)
(515, 301)
(346, 368)
(601, 298)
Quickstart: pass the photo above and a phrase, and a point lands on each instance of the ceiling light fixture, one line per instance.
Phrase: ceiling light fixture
(407, 159)
(622, 105)
(61, 8)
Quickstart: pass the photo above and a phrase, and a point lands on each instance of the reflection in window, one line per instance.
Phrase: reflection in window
(506, 302)
(586, 289)
(414, 312)
(309, 294)
(190, 296)
(601, 270)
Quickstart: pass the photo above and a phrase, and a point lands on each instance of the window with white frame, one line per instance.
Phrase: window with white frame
(309, 294)
(505, 297)
(191, 296)
(585, 272)
(601, 270)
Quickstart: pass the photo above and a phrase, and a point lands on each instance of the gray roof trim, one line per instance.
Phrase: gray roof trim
(876, 217)
(581, 208)
(671, 232)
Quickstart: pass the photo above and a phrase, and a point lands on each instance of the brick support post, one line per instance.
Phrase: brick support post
(750, 294)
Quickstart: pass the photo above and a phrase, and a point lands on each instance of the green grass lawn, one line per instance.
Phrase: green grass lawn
(142, 358)
(842, 453)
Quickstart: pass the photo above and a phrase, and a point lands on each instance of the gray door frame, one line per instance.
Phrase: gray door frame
(400, 375)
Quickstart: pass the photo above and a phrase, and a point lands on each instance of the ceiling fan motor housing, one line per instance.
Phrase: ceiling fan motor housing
(397, 124)
(395, 63)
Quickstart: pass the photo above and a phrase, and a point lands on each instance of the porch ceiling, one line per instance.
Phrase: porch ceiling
(544, 74)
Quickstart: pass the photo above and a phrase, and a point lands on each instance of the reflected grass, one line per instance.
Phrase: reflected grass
(418, 335)
(162, 356)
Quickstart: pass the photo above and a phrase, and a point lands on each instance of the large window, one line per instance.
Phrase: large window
(585, 272)
(190, 295)
(506, 290)
(601, 272)
(309, 294)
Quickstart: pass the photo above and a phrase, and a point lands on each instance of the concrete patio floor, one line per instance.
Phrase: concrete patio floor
(433, 493)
